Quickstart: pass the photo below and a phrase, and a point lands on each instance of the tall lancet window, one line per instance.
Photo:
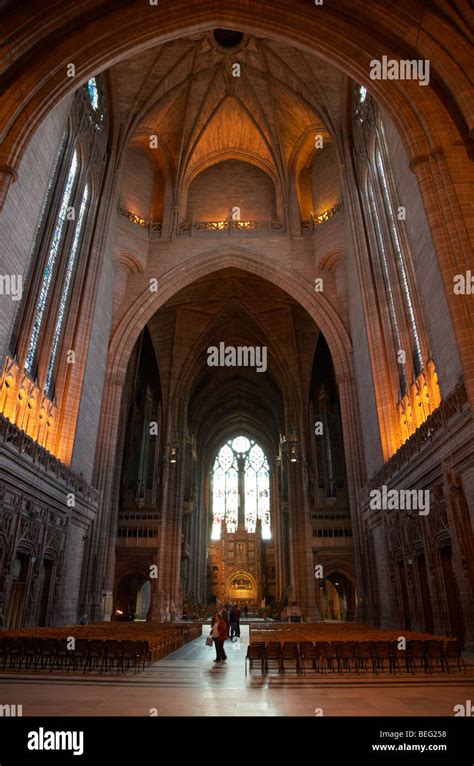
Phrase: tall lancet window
(60, 282)
(240, 482)
(404, 370)
(66, 288)
(49, 268)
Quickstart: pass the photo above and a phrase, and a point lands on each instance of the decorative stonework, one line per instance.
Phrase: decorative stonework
(309, 226)
(12, 435)
(435, 422)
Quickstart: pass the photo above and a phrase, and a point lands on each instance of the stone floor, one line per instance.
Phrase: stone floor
(188, 683)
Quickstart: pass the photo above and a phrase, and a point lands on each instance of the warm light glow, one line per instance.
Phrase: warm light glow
(421, 400)
(133, 217)
(326, 214)
(25, 405)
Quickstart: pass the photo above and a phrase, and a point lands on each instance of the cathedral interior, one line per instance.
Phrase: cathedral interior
(236, 314)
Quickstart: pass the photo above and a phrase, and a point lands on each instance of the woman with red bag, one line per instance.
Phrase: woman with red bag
(219, 635)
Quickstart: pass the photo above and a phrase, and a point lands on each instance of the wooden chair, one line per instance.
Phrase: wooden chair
(289, 653)
(255, 652)
(453, 653)
(273, 654)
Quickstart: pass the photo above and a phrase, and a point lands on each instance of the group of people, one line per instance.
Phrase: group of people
(225, 623)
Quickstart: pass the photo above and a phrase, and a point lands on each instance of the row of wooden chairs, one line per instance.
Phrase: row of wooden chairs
(354, 656)
(55, 654)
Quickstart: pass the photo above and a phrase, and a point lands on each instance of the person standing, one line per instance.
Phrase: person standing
(233, 623)
(225, 616)
(219, 635)
(237, 621)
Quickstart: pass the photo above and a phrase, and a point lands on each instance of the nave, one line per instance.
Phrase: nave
(187, 683)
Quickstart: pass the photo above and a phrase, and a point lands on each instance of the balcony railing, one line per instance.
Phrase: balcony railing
(450, 406)
(229, 228)
(152, 227)
(13, 436)
(309, 226)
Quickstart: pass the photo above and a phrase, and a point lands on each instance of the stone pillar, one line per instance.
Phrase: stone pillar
(301, 554)
(294, 210)
(98, 590)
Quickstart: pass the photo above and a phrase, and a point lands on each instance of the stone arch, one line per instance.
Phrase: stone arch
(147, 303)
(231, 154)
(434, 122)
(192, 203)
(331, 34)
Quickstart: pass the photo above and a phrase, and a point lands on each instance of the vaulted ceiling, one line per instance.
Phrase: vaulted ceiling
(239, 309)
(185, 92)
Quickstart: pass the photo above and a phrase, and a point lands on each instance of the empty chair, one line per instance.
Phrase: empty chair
(383, 653)
(365, 655)
(327, 657)
(130, 654)
(78, 656)
(255, 653)
(62, 656)
(309, 653)
(345, 655)
(434, 655)
(273, 654)
(399, 658)
(145, 653)
(47, 653)
(289, 653)
(29, 652)
(95, 656)
(4, 651)
(453, 656)
(416, 655)
(112, 655)
(15, 652)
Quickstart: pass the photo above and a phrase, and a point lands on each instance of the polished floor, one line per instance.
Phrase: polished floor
(188, 683)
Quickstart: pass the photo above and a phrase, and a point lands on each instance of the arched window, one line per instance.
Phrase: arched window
(240, 480)
(61, 235)
(53, 302)
(66, 288)
(380, 206)
(404, 371)
(393, 223)
(49, 268)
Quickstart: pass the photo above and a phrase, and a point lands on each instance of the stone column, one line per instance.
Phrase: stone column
(301, 554)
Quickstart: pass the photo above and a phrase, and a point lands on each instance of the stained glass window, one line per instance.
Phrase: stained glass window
(386, 275)
(389, 239)
(399, 256)
(241, 462)
(50, 264)
(93, 93)
(71, 262)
